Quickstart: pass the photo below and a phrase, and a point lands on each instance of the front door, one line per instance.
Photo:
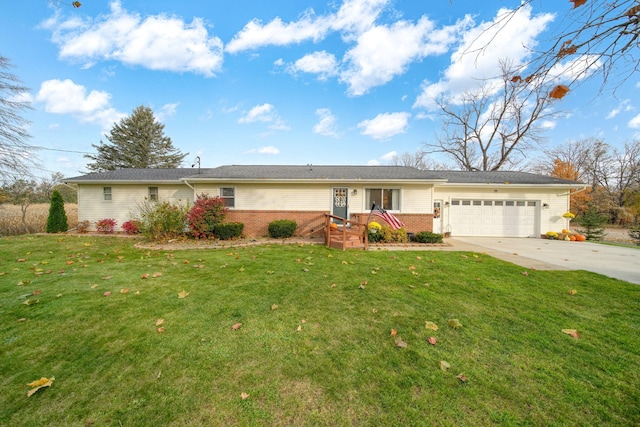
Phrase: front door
(340, 195)
(437, 216)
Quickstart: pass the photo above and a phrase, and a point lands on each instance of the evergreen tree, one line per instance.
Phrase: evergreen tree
(57, 221)
(593, 222)
(138, 141)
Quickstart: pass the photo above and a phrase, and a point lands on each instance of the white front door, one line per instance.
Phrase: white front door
(437, 216)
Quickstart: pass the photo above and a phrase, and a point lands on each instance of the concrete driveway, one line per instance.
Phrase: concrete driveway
(541, 254)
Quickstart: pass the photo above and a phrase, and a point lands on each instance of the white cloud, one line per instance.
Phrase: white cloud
(265, 113)
(624, 106)
(389, 156)
(260, 113)
(264, 150)
(66, 97)
(635, 122)
(482, 48)
(373, 162)
(383, 52)
(327, 124)
(167, 110)
(385, 125)
(354, 16)
(159, 42)
(321, 63)
(548, 124)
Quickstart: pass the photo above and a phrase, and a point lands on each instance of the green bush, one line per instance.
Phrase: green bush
(228, 230)
(162, 220)
(282, 228)
(375, 237)
(394, 236)
(428, 237)
(57, 220)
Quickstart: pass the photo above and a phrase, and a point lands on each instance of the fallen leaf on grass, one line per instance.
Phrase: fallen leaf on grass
(106, 294)
(182, 294)
(299, 328)
(431, 325)
(401, 344)
(571, 332)
(31, 301)
(94, 286)
(107, 277)
(432, 340)
(124, 290)
(22, 319)
(461, 377)
(159, 322)
(525, 273)
(394, 332)
(444, 365)
(145, 276)
(160, 329)
(244, 395)
(455, 323)
(573, 292)
(274, 307)
(236, 326)
(38, 384)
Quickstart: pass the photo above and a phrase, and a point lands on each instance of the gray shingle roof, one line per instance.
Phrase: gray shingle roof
(314, 172)
(499, 177)
(137, 175)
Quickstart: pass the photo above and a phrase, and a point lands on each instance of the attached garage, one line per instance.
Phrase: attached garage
(501, 218)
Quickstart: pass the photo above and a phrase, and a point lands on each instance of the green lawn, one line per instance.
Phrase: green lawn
(315, 346)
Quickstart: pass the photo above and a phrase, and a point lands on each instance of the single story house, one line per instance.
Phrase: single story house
(504, 204)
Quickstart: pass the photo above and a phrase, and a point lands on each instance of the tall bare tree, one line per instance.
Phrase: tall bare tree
(15, 154)
(417, 160)
(600, 38)
(495, 126)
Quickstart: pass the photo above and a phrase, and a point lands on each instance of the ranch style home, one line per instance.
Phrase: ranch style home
(501, 204)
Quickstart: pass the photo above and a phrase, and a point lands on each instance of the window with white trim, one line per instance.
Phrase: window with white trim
(106, 193)
(153, 194)
(385, 198)
(229, 196)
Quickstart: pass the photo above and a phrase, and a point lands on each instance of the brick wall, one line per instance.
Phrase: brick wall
(256, 223)
(414, 223)
(311, 223)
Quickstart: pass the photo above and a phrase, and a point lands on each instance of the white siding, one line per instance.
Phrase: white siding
(124, 202)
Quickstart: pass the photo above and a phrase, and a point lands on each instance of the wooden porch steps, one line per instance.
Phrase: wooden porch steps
(348, 235)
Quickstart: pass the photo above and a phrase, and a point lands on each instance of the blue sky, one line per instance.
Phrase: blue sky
(277, 82)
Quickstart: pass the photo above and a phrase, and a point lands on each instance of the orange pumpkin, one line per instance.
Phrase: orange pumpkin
(572, 238)
(580, 238)
(333, 226)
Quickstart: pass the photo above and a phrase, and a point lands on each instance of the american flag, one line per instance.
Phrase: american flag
(393, 222)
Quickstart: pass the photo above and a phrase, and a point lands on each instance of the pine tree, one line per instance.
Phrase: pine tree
(138, 141)
(593, 222)
(57, 221)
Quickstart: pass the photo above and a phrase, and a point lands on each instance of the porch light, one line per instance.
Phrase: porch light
(354, 192)
(545, 206)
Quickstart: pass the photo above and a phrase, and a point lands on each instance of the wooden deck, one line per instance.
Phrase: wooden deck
(345, 235)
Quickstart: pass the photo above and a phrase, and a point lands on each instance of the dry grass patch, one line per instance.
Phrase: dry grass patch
(35, 221)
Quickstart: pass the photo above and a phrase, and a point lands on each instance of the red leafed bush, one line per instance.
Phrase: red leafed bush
(131, 227)
(205, 214)
(106, 225)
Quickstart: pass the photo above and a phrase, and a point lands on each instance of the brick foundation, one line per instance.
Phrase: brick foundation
(256, 223)
(413, 223)
(311, 223)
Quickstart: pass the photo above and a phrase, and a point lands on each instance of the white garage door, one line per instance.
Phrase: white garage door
(503, 218)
